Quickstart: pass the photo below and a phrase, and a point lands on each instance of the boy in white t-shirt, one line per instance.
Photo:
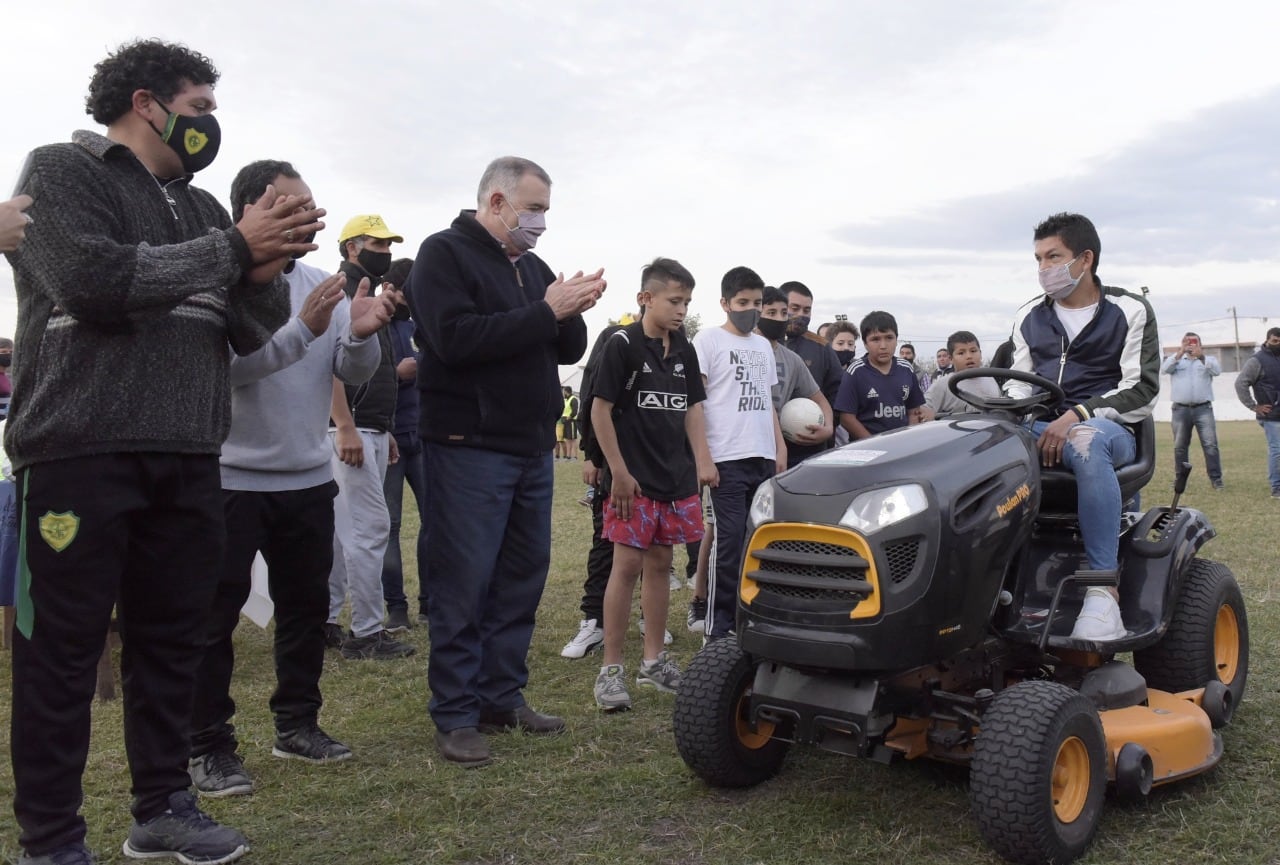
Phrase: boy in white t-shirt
(742, 431)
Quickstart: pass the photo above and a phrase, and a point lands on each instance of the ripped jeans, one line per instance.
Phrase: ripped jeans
(1093, 456)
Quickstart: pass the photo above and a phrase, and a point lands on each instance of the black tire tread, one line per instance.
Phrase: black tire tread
(703, 721)
(1007, 781)
(1184, 658)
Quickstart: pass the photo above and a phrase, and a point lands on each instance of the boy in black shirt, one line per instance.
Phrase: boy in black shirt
(649, 425)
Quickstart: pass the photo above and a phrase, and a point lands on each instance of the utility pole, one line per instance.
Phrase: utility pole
(1236, 323)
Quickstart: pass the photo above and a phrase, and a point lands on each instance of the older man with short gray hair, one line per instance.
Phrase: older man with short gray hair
(498, 323)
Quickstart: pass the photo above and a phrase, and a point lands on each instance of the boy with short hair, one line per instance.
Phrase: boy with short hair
(649, 426)
(742, 431)
(880, 391)
(966, 353)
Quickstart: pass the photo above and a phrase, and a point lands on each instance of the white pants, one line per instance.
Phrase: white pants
(361, 527)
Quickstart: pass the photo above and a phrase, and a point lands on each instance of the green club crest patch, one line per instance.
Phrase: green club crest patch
(59, 530)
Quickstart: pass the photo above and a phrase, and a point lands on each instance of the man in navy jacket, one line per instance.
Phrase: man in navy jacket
(497, 324)
(1101, 345)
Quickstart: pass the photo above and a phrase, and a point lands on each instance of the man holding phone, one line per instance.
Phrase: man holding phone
(1191, 375)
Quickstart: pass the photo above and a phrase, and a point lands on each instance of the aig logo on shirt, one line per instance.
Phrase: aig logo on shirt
(662, 401)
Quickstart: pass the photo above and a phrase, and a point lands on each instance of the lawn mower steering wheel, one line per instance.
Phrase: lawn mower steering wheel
(1051, 394)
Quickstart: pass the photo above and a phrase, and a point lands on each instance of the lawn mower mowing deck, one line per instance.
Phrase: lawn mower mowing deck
(912, 595)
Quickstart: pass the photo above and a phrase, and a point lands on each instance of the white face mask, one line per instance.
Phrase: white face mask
(529, 225)
(1056, 280)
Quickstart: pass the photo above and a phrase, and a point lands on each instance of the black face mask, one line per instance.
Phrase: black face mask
(194, 139)
(374, 263)
(847, 356)
(772, 329)
(5, 360)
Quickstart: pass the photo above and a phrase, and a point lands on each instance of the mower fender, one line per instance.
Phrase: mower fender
(1173, 730)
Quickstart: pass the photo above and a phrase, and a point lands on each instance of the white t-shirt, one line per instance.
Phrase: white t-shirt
(740, 373)
(1074, 320)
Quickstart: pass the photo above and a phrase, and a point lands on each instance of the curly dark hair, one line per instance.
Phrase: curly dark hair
(148, 64)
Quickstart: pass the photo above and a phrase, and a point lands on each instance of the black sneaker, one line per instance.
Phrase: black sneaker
(185, 833)
(697, 618)
(310, 743)
(220, 773)
(378, 646)
(72, 854)
(334, 635)
(398, 621)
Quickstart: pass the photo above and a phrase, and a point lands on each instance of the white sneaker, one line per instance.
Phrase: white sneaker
(674, 582)
(1099, 618)
(590, 636)
(666, 635)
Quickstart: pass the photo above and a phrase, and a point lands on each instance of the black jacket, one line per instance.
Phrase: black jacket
(489, 376)
(373, 404)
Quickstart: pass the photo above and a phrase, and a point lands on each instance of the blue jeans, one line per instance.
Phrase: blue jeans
(1272, 430)
(488, 552)
(1200, 417)
(1094, 462)
(410, 467)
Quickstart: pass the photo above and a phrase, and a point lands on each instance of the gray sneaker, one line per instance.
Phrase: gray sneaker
(187, 834)
(662, 674)
(611, 691)
(310, 743)
(72, 854)
(378, 646)
(220, 773)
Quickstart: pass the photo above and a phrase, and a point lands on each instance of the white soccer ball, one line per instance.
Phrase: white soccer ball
(797, 415)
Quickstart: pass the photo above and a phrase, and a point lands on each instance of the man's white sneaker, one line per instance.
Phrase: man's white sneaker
(1099, 618)
(590, 636)
(666, 635)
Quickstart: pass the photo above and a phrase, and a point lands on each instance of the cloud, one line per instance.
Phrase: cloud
(1206, 188)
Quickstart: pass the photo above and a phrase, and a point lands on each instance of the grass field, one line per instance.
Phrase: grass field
(613, 789)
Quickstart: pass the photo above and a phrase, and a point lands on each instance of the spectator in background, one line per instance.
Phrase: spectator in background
(879, 391)
(966, 352)
(794, 378)
(133, 282)
(498, 323)
(277, 495)
(813, 350)
(1258, 387)
(363, 419)
(567, 447)
(945, 367)
(743, 435)
(6, 386)
(907, 352)
(1191, 377)
(844, 341)
(409, 467)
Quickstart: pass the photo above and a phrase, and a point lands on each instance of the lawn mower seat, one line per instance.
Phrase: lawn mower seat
(1058, 486)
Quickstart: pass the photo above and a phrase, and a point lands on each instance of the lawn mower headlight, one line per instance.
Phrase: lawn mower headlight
(877, 509)
(762, 504)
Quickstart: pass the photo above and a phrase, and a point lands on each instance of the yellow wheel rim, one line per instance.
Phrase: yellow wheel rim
(753, 739)
(1226, 644)
(1070, 780)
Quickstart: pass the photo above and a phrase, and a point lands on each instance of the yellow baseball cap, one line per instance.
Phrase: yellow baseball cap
(368, 224)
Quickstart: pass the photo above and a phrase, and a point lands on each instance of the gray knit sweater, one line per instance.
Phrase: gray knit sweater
(128, 295)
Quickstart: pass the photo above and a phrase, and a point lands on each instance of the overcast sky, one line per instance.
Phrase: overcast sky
(890, 155)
